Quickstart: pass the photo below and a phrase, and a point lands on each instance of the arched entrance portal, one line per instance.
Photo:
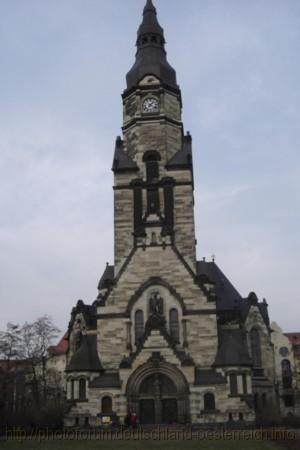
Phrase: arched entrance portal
(158, 400)
(158, 393)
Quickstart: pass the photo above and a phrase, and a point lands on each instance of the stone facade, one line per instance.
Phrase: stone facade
(168, 337)
(287, 371)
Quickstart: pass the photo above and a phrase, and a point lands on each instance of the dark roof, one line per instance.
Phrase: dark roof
(183, 158)
(107, 277)
(151, 55)
(86, 358)
(233, 349)
(106, 380)
(208, 377)
(150, 24)
(227, 296)
(122, 162)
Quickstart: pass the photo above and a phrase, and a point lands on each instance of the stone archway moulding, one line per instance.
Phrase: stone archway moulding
(157, 281)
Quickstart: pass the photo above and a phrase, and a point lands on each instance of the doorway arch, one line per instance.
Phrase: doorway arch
(158, 393)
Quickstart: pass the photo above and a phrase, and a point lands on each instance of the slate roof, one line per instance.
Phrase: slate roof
(107, 277)
(208, 377)
(228, 296)
(151, 56)
(233, 349)
(182, 159)
(106, 380)
(86, 358)
(122, 162)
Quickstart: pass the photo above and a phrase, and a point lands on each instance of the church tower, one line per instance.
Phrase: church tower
(153, 162)
(168, 337)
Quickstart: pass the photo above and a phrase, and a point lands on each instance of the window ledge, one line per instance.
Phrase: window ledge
(210, 411)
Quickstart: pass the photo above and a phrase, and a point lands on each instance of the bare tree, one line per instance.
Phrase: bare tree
(37, 337)
(10, 346)
(10, 342)
(27, 382)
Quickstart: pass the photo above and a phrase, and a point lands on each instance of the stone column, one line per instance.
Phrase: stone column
(69, 390)
(249, 384)
(76, 389)
(240, 384)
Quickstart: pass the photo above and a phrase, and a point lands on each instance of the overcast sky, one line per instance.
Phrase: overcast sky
(63, 66)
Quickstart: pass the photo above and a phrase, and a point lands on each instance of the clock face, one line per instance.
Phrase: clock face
(150, 105)
(284, 351)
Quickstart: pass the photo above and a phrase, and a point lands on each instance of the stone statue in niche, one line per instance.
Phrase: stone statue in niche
(156, 304)
(156, 318)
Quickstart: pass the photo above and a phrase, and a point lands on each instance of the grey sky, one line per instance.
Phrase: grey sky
(63, 66)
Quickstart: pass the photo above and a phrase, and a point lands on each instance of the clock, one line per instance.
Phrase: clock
(150, 105)
(284, 351)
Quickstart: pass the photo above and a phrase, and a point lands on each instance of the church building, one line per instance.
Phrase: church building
(169, 337)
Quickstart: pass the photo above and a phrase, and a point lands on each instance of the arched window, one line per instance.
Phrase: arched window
(82, 389)
(138, 325)
(151, 160)
(152, 169)
(233, 384)
(174, 324)
(106, 405)
(153, 201)
(255, 347)
(209, 402)
(286, 371)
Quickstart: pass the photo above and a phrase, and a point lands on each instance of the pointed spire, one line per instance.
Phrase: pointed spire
(149, 7)
(151, 55)
(150, 26)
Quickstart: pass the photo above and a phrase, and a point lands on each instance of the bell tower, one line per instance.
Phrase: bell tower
(153, 169)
